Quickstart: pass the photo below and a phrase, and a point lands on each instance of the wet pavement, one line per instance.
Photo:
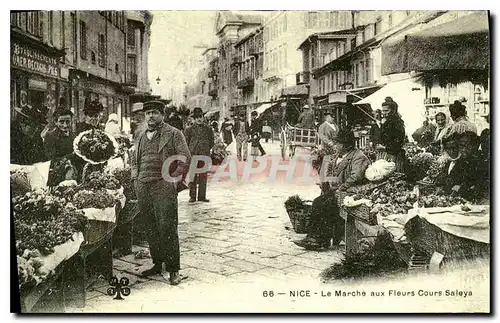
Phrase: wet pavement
(242, 236)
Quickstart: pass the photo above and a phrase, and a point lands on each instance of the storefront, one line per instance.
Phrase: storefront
(454, 60)
(88, 88)
(36, 78)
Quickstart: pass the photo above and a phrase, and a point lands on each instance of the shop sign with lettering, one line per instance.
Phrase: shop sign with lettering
(28, 58)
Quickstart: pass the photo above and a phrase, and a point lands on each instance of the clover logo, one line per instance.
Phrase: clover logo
(119, 287)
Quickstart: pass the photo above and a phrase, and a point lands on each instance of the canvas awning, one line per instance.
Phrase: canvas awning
(409, 94)
(263, 107)
(459, 44)
(296, 90)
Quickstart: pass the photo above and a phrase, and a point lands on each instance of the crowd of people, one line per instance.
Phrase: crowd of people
(466, 156)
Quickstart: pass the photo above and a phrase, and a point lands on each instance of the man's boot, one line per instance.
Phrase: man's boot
(155, 270)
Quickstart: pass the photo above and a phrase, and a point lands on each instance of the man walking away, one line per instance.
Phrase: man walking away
(241, 132)
(200, 140)
(157, 196)
(256, 131)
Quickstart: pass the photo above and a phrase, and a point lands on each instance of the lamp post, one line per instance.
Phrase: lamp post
(158, 80)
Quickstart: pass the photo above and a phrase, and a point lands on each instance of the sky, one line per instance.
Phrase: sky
(173, 35)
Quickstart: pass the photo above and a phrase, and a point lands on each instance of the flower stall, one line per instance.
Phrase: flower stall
(63, 230)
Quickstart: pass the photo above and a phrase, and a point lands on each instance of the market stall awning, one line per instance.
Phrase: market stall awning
(263, 107)
(409, 94)
(459, 44)
(296, 90)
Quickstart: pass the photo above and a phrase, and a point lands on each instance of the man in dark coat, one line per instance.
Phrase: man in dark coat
(172, 118)
(256, 131)
(26, 145)
(347, 171)
(156, 192)
(59, 142)
(226, 128)
(200, 140)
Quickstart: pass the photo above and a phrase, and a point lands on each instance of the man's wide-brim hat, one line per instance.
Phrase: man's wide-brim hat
(137, 107)
(153, 105)
(197, 113)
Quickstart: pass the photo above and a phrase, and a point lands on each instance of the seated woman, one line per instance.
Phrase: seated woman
(466, 173)
(347, 170)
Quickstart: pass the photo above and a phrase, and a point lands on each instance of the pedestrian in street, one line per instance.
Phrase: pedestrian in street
(306, 118)
(267, 131)
(59, 142)
(392, 136)
(157, 197)
(200, 140)
(26, 145)
(226, 130)
(328, 131)
(256, 131)
(173, 118)
(241, 133)
(137, 123)
(347, 171)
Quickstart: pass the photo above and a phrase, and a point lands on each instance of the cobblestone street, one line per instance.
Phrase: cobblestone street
(243, 236)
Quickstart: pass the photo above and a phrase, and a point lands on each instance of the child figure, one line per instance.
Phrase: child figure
(254, 152)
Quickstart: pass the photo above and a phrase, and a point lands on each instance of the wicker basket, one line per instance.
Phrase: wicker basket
(300, 218)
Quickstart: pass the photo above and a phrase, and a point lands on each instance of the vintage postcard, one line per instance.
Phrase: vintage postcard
(250, 161)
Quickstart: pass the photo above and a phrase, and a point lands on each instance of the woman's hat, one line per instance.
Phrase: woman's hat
(113, 117)
(93, 108)
(197, 113)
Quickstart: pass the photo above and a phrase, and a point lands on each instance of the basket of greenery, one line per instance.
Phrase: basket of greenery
(299, 212)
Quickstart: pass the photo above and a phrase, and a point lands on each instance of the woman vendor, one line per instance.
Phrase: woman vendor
(466, 173)
(347, 170)
(392, 136)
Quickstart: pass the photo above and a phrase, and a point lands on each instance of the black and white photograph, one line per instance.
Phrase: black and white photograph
(250, 161)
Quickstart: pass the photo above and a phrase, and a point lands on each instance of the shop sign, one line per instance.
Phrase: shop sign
(340, 96)
(33, 60)
(37, 85)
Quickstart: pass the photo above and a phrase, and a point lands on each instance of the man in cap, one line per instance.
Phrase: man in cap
(200, 140)
(137, 124)
(347, 171)
(59, 142)
(306, 118)
(157, 191)
(328, 130)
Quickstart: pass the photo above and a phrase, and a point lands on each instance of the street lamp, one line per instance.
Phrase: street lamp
(158, 80)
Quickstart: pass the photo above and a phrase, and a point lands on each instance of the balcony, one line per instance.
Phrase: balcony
(270, 75)
(131, 80)
(302, 77)
(256, 49)
(131, 48)
(212, 73)
(212, 89)
(247, 82)
(236, 59)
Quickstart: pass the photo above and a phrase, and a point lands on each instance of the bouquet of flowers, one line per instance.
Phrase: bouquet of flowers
(97, 199)
(99, 180)
(95, 146)
(37, 205)
(420, 163)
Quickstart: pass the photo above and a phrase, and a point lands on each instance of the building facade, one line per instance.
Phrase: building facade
(73, 58)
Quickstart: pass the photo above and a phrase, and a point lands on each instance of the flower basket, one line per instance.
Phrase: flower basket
(95, 146)
(300, 215)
